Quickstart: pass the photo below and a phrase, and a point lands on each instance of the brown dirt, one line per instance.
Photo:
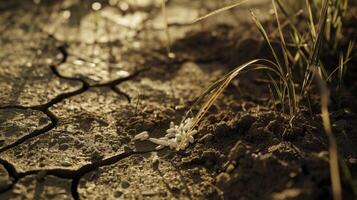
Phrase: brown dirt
(73, 99)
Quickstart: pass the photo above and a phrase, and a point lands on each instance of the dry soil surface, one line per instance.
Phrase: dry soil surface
(77, 85)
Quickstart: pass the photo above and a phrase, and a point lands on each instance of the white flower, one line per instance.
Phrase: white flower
(177, 136)
(142, 136)
(159, 141)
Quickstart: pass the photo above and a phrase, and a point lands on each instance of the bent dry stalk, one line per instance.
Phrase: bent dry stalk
(167, 31)
(219, 11)
(333, 152)
(209, 96)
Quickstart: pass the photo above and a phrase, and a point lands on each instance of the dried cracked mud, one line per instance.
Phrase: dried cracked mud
(77, 85)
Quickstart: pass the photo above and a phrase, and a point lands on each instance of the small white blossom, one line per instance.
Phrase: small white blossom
(142, 136)
(159, 141)
(177, 136)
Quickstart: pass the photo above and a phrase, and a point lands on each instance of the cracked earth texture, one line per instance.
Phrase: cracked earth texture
(77, 85)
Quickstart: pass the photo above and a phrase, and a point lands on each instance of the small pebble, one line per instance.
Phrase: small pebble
(175, 190)
(117, 194)
(230, 168)
(63, 146)
(179, 107)
(148, 193)
(125, 184)
(66, 163)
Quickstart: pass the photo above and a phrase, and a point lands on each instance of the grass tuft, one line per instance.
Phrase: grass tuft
(308, 47)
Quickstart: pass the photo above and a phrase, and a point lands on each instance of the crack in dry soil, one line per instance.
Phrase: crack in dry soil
(75, 175)
(45, 107)
(241, 149)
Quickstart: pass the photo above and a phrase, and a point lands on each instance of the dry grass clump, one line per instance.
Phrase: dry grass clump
(307, 47)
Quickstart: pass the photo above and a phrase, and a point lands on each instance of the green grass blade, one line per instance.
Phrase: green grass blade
(282, 39)
(311, 18)
(319, 37)
(266, 38)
